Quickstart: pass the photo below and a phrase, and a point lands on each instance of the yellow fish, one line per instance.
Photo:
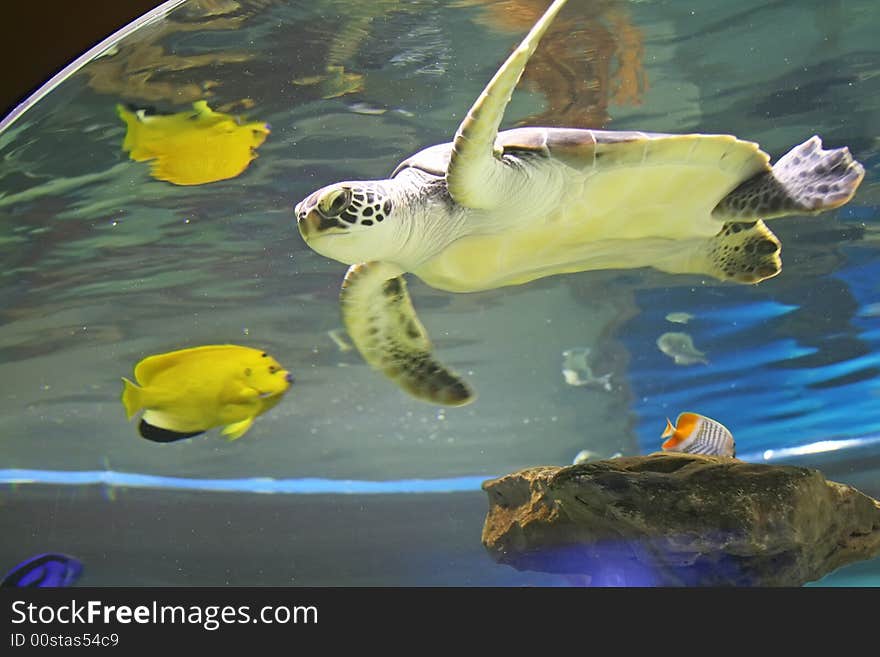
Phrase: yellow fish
(186, 392)
(193, 147)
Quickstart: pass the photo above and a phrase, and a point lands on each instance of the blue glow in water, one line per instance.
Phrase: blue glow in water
(320, 486)
(763, 380)
(305, 486)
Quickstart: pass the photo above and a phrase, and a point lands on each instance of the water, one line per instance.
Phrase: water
(347, 481)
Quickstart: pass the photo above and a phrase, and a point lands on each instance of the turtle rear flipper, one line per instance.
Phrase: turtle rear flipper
(807, 180)
(382, 322)
(744, 252)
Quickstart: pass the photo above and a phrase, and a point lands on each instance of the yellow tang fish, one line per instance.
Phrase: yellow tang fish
(697, 434)
(193, 147)
(186, 392)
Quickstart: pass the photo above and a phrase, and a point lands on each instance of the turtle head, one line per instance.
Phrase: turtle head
(350, 222)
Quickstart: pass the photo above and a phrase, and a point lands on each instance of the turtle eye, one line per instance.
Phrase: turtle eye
(334, 202)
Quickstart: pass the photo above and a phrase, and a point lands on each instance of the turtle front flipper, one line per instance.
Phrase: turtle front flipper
(475, 176)
(806, 180)
(383, 325)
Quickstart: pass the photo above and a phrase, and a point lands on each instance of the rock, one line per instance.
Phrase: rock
(674, 519)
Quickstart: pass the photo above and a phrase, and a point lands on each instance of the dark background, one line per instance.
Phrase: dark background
(39, 37)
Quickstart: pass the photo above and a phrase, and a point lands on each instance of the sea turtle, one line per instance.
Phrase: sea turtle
(497, 208)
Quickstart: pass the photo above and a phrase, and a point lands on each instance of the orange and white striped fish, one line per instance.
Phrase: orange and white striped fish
(697, 434)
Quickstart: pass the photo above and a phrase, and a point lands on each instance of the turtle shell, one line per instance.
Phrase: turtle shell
(591, 199)
(579, 148)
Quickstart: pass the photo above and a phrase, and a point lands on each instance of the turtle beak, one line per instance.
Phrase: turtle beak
(311, 222)
(304, 208)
